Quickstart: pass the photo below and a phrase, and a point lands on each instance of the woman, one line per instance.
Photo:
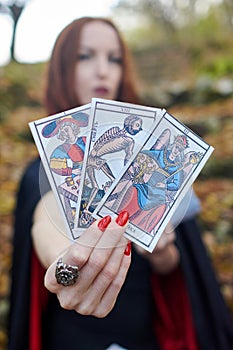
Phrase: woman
(102, 292)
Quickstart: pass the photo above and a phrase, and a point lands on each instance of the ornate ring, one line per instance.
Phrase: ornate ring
(66, 274)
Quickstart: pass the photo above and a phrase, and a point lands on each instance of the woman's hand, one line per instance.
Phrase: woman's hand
(165, 256)
(103, 257)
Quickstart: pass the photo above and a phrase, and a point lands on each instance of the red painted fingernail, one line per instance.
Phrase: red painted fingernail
(104, 222)
(122, 218)
(128, 249)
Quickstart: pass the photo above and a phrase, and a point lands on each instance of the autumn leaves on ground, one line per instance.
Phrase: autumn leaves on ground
(207, 110)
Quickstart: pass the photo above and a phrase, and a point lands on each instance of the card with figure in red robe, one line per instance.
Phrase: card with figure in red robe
(155, 182)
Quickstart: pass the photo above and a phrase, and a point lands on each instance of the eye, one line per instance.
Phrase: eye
(83, 56)
(115, 59)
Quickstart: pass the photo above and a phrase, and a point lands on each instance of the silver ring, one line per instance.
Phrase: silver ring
(66, 274)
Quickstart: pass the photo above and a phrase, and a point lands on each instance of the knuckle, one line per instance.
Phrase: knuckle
(101, 314)
(117, 283)
(82, 311)
(65, 304)
(76, 257)
(50, 284)
(67, 300)
(103, 310)
(96, 262)
(110, 272)
(85, 309)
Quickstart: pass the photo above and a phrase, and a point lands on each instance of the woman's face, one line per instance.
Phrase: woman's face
(98, 71)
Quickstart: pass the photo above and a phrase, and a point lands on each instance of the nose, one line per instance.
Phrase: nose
(102, 66)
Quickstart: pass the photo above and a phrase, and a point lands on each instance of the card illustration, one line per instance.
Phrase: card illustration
(156, 181)
(109, 156)
(117, 134)
(61, 142)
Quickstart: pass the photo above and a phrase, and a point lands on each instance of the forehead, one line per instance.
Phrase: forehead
(99, 34)
(65, 126)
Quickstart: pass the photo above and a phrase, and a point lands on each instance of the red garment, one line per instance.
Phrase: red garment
(173, 323)
(38, 302)
(145, 219)
(74, 152)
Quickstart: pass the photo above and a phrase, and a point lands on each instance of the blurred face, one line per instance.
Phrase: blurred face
(66, 133)
(135, 127)
(98, 71)
(176, 150)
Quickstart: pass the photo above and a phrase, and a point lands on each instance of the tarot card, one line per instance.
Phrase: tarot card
(153, 185)
(118, 131)
(61, 142)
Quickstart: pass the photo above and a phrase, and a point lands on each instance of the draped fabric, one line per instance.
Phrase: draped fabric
(209, 321)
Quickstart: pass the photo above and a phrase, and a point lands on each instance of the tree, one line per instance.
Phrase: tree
(14, 9)
(155, 10)
(172, 14)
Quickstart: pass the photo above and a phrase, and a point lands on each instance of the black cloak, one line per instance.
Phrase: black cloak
(212, 319)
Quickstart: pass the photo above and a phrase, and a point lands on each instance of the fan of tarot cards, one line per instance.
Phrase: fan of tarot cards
(108, 156)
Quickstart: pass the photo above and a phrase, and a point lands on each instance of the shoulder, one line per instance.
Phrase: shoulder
(32, 169)
(34, 181)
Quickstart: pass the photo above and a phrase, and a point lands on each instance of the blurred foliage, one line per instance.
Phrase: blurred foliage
(20, 87)
(204, 37)
(189, 72)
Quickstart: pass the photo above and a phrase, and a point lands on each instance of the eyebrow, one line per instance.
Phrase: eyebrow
(115, 50)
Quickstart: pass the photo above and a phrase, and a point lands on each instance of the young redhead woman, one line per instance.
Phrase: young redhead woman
(98, 291)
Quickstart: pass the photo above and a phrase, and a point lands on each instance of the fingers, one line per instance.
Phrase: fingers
(109, 298)
(77, 254)
(165, 256)
(108, 282)
(99, 254)
(167, 237)
(165, 240)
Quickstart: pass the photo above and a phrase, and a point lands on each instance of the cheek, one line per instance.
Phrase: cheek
(116, 80)
(81, 79)
(77, 80)
(118, 76)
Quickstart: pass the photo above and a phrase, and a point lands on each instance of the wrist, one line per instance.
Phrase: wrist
(165, 260)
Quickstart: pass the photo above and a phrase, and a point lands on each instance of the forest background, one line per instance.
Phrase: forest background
(184, 57)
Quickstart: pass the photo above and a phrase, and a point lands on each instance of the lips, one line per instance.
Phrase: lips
(101, 90)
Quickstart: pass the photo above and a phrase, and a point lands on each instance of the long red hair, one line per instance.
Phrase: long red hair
(60, 93)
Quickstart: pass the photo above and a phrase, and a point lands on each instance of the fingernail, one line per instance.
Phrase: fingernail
(104, 222)
(128, 249)
(122, 218)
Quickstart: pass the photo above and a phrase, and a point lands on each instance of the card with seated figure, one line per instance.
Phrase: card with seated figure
(118, 131)
(154, 183)
(61, 143)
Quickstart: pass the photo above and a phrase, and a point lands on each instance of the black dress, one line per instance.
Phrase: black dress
(130, 323)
